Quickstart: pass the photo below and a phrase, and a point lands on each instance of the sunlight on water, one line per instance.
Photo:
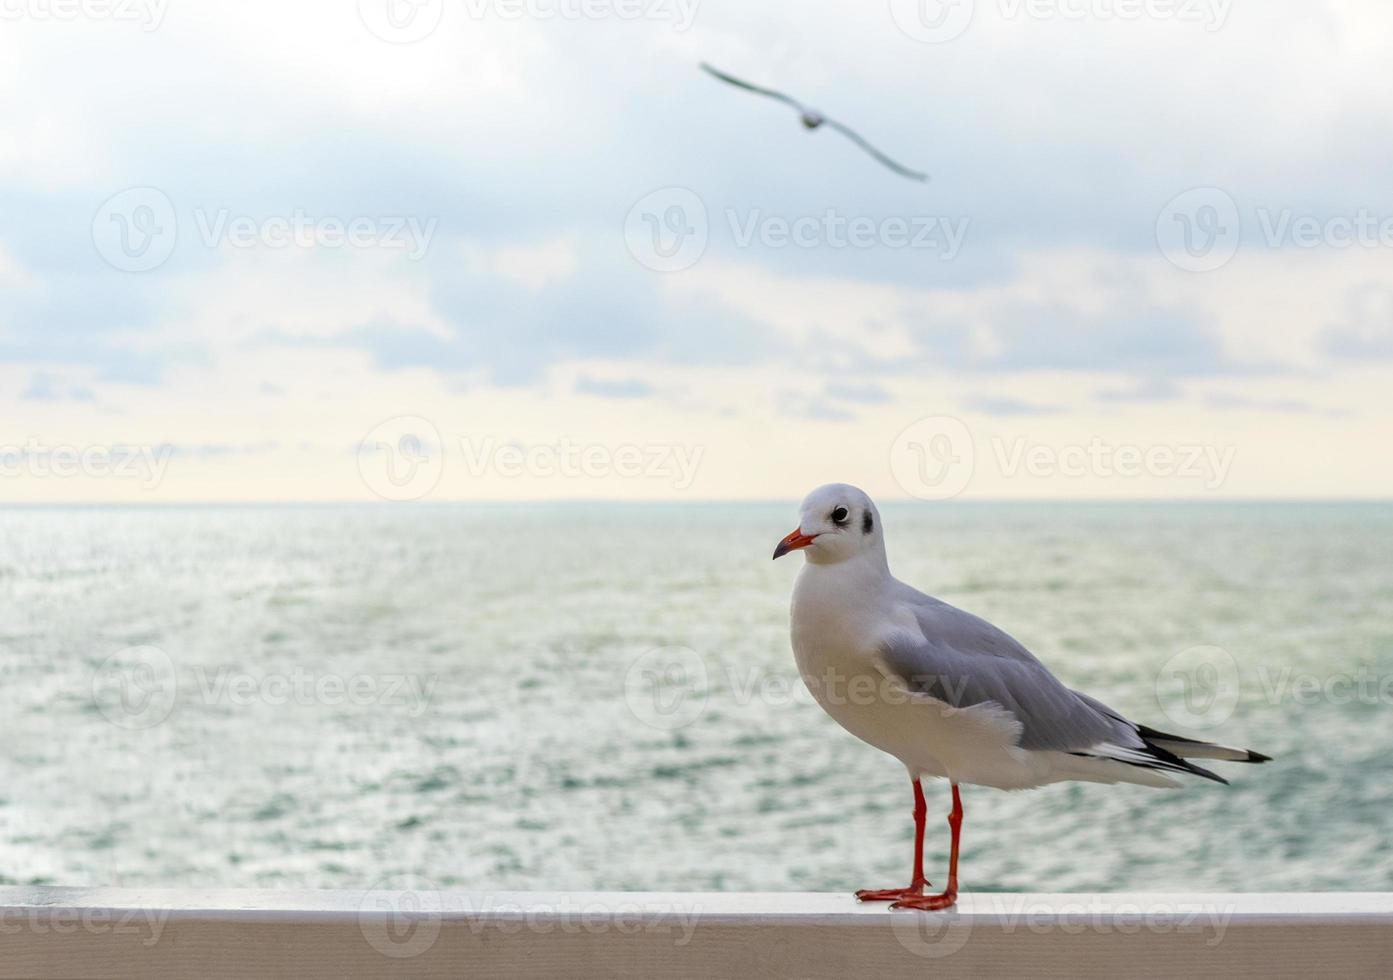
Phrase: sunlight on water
(328, 696)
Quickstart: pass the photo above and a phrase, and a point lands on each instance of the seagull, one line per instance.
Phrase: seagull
(812, 119)
(946, 693)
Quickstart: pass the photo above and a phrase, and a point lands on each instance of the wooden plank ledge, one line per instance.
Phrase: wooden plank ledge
(408, 928)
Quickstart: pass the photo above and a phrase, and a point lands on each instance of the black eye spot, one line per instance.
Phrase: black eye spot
(867, 523)
(839, 515)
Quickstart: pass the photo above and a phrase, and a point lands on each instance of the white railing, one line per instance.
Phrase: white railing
(419, 931)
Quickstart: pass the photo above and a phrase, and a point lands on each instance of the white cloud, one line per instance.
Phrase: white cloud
(528, 141)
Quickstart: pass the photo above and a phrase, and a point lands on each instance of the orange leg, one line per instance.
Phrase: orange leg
(916, 881)
(949, 897)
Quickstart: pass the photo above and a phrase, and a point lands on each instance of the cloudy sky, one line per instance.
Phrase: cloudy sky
(525, 249)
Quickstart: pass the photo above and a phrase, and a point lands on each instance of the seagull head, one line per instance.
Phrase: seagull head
(835, 523)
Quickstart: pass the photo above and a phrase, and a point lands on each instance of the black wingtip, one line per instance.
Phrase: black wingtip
(1169, 760)
(1206, 773)
(1257, 757)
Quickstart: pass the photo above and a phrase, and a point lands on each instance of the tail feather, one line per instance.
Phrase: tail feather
(1189, 748)
(1163, 752)
(1171, 760)
(1149, 756)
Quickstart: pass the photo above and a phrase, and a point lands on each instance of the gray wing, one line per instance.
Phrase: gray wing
(967, 661)
(856, 138)
(732, 80)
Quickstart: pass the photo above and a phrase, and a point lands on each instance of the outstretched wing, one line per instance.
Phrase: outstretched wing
(732, 80)
(856, 138)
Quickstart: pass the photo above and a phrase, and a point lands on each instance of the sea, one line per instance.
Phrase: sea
(602, 697)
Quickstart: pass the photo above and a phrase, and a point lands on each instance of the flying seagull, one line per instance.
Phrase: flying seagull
(814, 120)
(948, 694)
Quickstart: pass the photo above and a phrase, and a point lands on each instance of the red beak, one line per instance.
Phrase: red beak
(796, 539)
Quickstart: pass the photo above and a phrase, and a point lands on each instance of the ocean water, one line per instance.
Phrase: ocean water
(603, 697)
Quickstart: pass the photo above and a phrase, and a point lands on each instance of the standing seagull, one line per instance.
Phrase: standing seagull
(813, 120)
(946, 693)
